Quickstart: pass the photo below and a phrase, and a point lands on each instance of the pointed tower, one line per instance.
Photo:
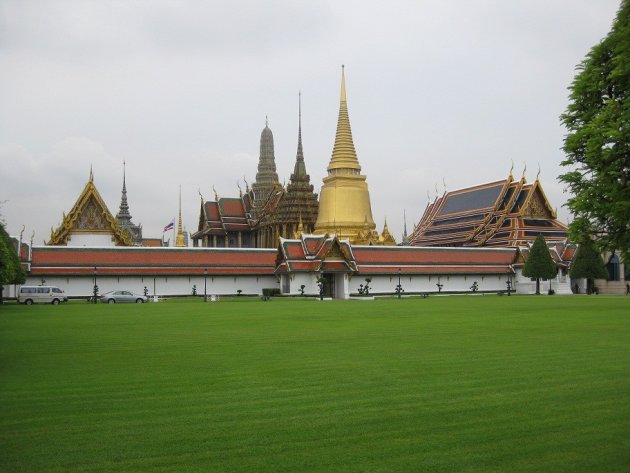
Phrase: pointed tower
(344, 202)
(179, 239)
(299, 205)
(266, 176)
(124, 217)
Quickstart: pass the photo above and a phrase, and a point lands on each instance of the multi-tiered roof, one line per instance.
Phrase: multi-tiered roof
(508, 212)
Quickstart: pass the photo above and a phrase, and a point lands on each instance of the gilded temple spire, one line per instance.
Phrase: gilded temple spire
(344, 202)
(344, 156)
(179, 239)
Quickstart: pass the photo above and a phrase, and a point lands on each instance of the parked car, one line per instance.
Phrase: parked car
(41, 294)
(113, 297)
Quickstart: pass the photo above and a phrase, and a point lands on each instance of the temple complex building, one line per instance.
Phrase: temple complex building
(225, 223)
(289, 211)
(508, 213)
(267, 211)
(344, 204)
(90, 223)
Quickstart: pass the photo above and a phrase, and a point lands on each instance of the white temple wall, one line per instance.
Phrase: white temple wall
(295, 281)
(82, 286)
(91, 239)
(386, 284)
(561, 284)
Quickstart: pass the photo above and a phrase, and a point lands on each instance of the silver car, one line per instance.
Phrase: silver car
(112, 297)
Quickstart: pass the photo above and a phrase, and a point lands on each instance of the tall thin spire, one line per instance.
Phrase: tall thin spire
(123, 212)
(179, 239)
(344, 156)
(405, 224)
(300, 168)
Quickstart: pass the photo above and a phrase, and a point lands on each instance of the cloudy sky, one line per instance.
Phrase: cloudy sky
(439, 92)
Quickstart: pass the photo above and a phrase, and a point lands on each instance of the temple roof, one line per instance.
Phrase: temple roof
(226, 214)
(325, 253)
(501, 213)
(89, 215)
(56, 260)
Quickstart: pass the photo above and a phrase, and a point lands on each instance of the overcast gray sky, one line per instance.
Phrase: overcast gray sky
(438, 91)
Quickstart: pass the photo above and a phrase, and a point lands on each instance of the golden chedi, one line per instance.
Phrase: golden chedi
(344, 201)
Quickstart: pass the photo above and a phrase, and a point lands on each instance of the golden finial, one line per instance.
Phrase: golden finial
(538, 174)
(240, 191)
(179, 239)
(200, 195)
(343, 83)
(512, 169)
(91, 174)
(428, 196)
(246, 184)
(216, 196)
(524, 171)
(444, 182)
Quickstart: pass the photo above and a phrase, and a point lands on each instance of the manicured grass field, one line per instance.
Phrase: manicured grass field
(461, 384)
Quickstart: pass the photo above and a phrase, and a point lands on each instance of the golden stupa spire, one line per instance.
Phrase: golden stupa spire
(344, 156)
(344, 200)
(179, 239)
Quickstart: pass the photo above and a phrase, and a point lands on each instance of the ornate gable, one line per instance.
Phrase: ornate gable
(536, 204)
(89, 215)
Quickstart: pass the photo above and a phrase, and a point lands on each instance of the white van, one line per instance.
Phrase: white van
(41, 294)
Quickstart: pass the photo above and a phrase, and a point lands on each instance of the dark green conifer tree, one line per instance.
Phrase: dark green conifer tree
(588, 263)
(539, 263)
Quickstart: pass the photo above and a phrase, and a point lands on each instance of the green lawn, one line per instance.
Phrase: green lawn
(462, 384)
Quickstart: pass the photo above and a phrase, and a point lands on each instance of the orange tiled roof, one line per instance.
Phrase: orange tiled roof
(139, 260)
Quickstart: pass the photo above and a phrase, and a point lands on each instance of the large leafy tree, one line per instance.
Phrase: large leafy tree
(587, 263)
(597, 145)
(11, 271)
(539, 263)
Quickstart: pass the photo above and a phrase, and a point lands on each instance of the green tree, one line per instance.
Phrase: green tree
(597, 146)
(11, 271)
(539, 263)
(588, 263)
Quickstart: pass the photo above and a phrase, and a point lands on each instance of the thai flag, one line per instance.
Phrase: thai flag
(170, 226)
